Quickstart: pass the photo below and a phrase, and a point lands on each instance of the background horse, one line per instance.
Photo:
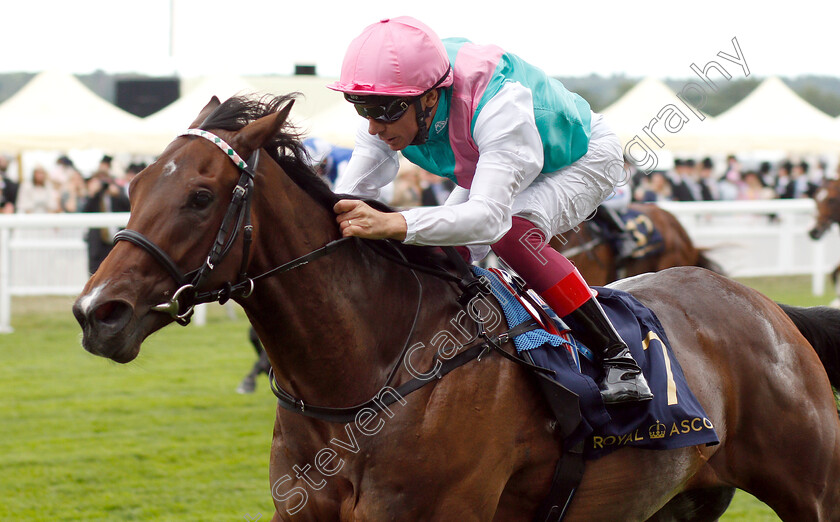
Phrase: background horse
(827, 198)
(596, 259)
(345, 321)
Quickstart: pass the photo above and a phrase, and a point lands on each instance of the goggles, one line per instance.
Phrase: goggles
(387, 108)
(387, 112)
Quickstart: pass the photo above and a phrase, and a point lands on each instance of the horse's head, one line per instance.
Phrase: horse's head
(185, 234)
(828, 208)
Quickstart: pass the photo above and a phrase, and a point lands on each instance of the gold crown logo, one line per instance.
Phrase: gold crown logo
(657, 431)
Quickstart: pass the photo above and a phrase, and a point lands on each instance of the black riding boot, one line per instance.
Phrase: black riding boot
(623, 379)
(610, 218)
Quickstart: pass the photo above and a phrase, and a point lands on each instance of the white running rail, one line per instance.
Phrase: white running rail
(45, 254)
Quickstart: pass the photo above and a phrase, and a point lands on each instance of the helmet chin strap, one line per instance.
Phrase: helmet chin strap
(422, 114)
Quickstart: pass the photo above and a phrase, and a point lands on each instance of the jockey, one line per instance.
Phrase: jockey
(610, 216)
(530, 159)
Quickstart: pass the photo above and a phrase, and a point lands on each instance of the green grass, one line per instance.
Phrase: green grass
(165, 437)
(792, 290)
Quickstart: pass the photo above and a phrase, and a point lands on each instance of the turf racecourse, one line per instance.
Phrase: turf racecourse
(164, 437)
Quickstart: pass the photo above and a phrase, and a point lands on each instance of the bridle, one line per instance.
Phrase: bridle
(182, 304)
(238, 217)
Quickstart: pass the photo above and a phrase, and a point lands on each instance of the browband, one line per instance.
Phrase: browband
(219, 142)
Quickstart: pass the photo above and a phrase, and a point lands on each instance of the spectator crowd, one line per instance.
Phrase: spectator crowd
(63, 188)
(687, 180)
(691, 180)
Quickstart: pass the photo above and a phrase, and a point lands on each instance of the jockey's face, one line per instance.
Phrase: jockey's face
(399, 134)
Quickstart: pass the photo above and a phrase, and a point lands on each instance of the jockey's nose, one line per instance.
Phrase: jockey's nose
(375, 127)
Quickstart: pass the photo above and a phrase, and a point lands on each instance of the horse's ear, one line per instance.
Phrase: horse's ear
(257, 133)
(205, 112)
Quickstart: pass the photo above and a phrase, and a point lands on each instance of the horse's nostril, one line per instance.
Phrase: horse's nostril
(110, 312)
(101, 314)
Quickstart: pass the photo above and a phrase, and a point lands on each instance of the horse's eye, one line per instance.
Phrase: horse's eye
(200, 199)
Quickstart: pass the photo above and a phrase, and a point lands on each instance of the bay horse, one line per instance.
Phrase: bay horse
(827, 198)
(596, 259)
(346, 322)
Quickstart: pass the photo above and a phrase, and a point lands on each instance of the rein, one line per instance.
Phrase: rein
(182, 304)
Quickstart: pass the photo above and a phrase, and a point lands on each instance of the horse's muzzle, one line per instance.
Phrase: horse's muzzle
(104, 328)
(817, 232)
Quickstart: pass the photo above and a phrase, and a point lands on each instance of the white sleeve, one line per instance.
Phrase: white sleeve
(510, 158)
(372, 166)
(458, 195)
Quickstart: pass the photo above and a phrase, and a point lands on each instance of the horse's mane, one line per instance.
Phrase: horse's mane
(287, 149)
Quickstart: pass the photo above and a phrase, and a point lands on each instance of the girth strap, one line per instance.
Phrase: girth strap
(567, 476)
(565, 405)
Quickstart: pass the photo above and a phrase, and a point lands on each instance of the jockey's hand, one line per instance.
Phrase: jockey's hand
(357, 218)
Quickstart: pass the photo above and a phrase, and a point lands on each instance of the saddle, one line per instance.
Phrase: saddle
(590, 429)
(607, 428)
(648, 240)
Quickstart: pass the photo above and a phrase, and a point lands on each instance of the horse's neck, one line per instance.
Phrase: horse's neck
(332, 328)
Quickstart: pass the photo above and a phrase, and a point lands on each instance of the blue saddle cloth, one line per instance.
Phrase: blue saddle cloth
(673, 419)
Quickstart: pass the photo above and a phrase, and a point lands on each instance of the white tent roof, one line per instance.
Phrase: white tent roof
(773, 117)
(319, 111)
(649, 100)
(56, 111)
(160, 128)
(837, 124)
(315, 99)
(163, 126)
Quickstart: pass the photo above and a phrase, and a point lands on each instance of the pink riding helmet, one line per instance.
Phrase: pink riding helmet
(394, 57)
